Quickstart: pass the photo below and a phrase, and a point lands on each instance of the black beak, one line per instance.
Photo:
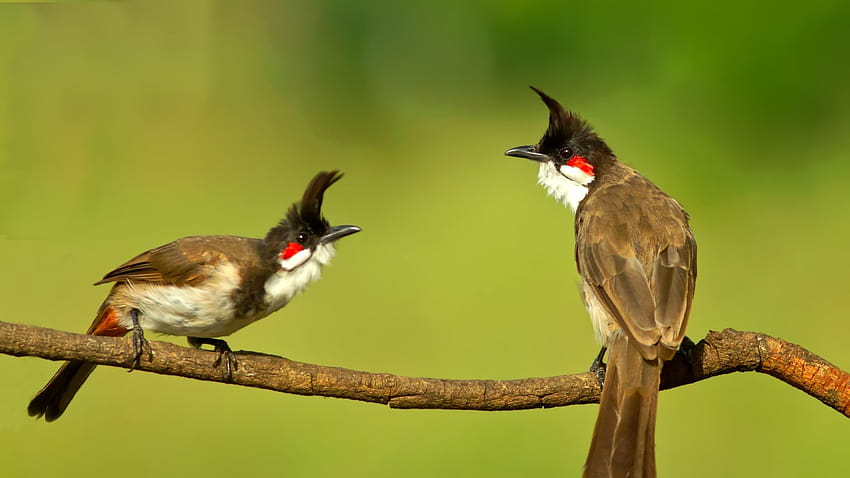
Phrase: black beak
(338, 232)
(527, 152)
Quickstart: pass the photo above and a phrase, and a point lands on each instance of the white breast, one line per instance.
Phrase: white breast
(208, 310)
(203, 311)
(284, 285)
(568, 186)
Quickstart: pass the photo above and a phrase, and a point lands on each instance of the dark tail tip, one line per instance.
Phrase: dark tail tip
(52, 400)
(37, 406)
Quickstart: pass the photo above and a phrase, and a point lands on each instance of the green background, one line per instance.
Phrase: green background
(124, 125)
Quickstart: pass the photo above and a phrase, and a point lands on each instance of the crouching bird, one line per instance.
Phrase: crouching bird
(637, 257)
(203, 287)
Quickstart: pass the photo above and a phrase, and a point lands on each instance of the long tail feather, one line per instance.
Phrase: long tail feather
(623, 443)
(52, 400)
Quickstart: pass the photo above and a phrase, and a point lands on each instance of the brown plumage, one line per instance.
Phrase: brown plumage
(186, 261)
(636, 252)
(637, 258)
(206, 286)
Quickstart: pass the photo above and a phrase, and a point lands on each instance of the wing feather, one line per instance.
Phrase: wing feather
(639, 256)
(186, 261)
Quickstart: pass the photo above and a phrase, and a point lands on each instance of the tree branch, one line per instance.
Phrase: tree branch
(719, 353)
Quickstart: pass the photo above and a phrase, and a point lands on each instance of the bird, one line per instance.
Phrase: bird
(204, 287)
(637, 258)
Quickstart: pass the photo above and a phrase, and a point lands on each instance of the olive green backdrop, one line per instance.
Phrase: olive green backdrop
(124, 125)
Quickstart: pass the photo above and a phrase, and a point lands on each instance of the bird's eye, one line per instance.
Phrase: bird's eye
(565, 153)
(302, 237)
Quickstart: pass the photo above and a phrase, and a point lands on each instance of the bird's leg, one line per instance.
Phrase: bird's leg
(139, 341)
(598, 367)
(223, 350)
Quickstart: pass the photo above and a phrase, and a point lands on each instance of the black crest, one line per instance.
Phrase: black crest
(306, 216)
(310, 209)
(566, 127)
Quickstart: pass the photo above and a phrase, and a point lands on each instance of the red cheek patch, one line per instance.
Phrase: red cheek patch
(291, 249)
(581, 163)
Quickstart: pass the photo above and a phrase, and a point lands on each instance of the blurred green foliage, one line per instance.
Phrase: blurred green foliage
(124, 125)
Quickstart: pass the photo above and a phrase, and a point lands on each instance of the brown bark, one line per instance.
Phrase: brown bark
(719, 353)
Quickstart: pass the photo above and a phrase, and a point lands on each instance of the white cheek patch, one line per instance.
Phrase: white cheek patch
(576, 175)
(296, 260)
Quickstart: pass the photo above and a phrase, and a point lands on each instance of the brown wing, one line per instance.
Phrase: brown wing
(186, 261)
(635, 249)
(674, 280)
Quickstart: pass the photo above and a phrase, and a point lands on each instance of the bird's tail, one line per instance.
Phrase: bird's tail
(52, 400)
(623, 443)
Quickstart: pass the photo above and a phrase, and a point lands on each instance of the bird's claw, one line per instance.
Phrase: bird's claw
(598, 367)
(687, 349)
(140, 343)
(225, 354)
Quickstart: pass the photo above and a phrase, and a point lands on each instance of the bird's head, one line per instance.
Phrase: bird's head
(305, 234)
(570, 154)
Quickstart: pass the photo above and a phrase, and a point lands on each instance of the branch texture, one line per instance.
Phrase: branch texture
(719, 353)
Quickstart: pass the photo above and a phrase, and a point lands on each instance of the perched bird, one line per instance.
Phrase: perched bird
(206, 286)
(637, 258)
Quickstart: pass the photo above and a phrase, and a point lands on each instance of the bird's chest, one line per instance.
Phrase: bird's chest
(223, 304)
(282, 286)
(205, 310)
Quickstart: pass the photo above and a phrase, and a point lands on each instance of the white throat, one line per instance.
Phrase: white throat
(568, 186)
(295, 275)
